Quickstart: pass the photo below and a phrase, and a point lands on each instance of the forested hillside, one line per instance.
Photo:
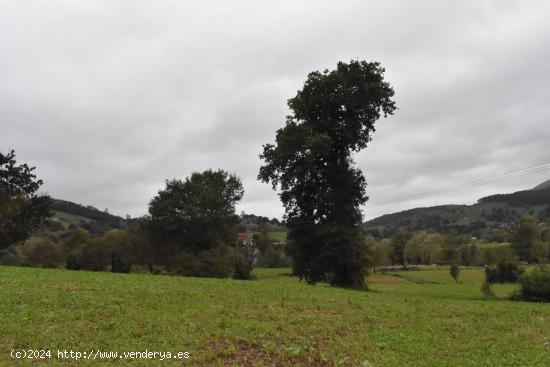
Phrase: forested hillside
(480, 220)
(67, 214)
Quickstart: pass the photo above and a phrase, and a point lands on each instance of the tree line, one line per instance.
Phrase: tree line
(191, 225)
(190, 229)
(529, 242)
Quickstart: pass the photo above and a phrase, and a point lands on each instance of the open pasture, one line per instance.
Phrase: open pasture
(420, 318)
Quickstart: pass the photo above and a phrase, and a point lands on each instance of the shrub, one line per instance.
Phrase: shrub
(216, 263)
(454, 270)
(504, 272)
(10, 259)
(487, 290)
(74, 260)
(37, 251)
(120, 263)
(95, 255)
(121, 245)
(534, 285)
(243, 259)
(185, 263)
(274, 257)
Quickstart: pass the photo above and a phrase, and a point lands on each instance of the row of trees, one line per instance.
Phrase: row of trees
(331, 118)
(406, 248)
(191, 225)
(529, 242)
(191, 229)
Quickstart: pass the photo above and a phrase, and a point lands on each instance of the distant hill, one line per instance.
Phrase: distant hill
(544, 185)
(67, 214)
(495, 211)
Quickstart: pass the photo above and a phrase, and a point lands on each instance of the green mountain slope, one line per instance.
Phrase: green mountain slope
(495, 211)
(67, 214)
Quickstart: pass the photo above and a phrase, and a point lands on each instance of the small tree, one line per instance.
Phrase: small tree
(534, 285)
(541, 251)
(195, 219)
(397, 247)
(197, 213)
(21, 208)
(454, 270)
(524, 233)
(487, 289)
(122, 248)
(38, 251)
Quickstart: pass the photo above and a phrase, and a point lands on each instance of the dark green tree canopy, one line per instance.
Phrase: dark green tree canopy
(197, 213)
(524, 233)
(344, 104)
(332, 116)
(310, 162)
(21, 208)
(16, 180)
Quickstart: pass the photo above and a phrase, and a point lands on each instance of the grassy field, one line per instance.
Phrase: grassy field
(493, 245)
(278, 236)
(415, 318)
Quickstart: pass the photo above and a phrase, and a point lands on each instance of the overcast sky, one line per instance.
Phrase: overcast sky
(110, 98)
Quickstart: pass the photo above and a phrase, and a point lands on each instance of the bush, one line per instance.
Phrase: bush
(95, 255)
(122, 248)
(218, 262)
(487, 290)
(37, 251)
(454, 270)
(120, 263)
(74, 260)
(274, 257)
(504, 272)
(534, 285)
(243, 260)
(10, 259)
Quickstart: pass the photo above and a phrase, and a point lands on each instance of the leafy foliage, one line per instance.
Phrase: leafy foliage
(535, 285)
(454, 270)
(524, 234)
(504, 272)
(332, 117)
(22, 210)
(197, 213)
(37, 251)
(192, 226)
(397, 247)
(487, 289)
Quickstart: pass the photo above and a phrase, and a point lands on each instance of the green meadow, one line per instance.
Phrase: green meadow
(278, 236)
(414, 318)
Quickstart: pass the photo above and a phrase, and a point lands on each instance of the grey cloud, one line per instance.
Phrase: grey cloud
(109, 99)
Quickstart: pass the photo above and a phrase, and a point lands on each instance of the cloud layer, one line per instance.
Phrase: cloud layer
(109, 99)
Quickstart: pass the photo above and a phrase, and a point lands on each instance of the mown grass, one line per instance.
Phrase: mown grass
(418, 318)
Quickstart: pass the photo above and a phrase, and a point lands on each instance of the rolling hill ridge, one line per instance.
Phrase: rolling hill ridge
(494, 211)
